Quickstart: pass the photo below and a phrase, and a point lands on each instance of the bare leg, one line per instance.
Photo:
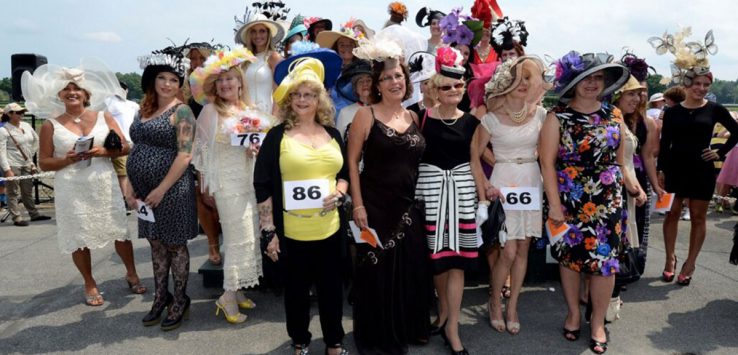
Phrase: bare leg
(698, 210)
(441, 283)
(454, 293)
(570, 280)
(125, 252)
(492, 254)
(500, 272)
(209, 220)
(83, 262)
(517, 273)
(600, 292)
(671, 224)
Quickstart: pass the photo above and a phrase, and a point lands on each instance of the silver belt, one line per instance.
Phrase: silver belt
(517, 160)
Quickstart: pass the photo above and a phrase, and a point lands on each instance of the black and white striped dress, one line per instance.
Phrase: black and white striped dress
(446, 185)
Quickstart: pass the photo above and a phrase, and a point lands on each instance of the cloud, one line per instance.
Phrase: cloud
(107, 37)
(24, 26)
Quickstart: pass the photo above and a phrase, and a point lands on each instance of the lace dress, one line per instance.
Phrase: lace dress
(230, 175)
(89, 205)
(259, 77)
(153, 153)
(631, 228)
(511, 143)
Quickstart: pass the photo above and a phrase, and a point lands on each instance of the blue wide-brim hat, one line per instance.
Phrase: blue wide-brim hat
(331, 62)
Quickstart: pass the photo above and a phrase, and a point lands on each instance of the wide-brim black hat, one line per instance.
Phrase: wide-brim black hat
(344, 86)
(149, 75)
(615, 75)
(424, 17)
(311, 29)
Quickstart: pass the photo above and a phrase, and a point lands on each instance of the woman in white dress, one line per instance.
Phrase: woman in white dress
(226, 169)
(89, 205)
(259, 34)
(512, 125)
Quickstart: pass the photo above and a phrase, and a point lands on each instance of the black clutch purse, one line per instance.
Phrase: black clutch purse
(494, 225)
(112, 141)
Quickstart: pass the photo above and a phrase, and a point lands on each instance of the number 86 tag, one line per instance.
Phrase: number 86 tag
(305, 194)
(521, 198)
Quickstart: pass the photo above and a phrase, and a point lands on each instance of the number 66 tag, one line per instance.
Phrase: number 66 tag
(521, 198)
(145, 212)
(305, 194)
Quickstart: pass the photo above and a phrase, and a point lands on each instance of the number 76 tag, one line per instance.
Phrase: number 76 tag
(145, 212)
(305, 194)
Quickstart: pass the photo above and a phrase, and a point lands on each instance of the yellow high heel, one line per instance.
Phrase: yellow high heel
(247, 304)
(233, 319)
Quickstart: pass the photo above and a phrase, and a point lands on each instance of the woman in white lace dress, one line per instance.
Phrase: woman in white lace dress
(226, 169)
(89, 205)
(512, 125)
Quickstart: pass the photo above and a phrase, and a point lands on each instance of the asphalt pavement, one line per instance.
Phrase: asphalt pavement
(42, 308)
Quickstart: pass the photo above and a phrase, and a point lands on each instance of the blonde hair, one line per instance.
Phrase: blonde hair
(535, 86)
(269, 44)
(324, 114)
(435, 82)
(221, 105)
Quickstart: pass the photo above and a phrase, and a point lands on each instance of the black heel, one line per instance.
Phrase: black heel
(170, 324)
(460, 352)
(436, 330)
(571, 335)
(154, 315)
(593, 344)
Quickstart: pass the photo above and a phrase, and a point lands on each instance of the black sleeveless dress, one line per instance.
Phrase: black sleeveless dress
(392, 285)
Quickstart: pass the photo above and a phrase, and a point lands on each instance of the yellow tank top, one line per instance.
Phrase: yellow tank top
(299, 162)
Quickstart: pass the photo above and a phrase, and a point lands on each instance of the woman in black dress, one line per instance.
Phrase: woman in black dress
(392, 285)
(160, 176)
(686, 168)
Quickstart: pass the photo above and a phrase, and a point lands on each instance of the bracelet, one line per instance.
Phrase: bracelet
(484, 202)
(268, 235)
(358, 208)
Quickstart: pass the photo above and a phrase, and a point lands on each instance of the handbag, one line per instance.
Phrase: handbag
(494, 229)
(628, 272)
(112, 141)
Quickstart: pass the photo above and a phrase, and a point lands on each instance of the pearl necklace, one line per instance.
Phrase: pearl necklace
(518, 116)
(443, 119)
(77, 119)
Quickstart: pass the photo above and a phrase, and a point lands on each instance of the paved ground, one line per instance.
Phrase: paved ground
(41, 308)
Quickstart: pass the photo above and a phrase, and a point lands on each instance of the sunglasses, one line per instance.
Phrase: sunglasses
(457, 86)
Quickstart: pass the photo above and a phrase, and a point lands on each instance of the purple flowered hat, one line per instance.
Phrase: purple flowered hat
(574, 67)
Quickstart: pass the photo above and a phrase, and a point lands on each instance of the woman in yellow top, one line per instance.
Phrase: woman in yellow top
(300, 179)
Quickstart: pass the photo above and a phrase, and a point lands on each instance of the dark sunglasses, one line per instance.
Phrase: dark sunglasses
(457, 86)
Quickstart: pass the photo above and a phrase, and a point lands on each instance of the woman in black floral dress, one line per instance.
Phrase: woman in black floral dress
(581, 155)
(159, 175)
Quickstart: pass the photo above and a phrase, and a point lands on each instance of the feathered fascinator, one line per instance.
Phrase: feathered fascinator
(690, 58)
(506, 32)
(267, 13)
(426, 15)
(397, 10)
(377, 49)
(41, 89)
(421, 66)
(448, 62)
(170, 59)
(487, 11)
(204, 48)
(637, 66)
(219, 62)
(460, 29)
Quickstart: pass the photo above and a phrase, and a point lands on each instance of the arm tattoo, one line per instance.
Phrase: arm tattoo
(265, 210)
(185, 123)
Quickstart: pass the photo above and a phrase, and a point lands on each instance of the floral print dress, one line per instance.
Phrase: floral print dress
(590, 188)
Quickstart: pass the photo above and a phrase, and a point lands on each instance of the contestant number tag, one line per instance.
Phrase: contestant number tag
(144, 211)
(521, 198)
(305, 194)
(245, 139)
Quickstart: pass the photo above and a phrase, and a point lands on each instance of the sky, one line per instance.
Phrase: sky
(118, 31)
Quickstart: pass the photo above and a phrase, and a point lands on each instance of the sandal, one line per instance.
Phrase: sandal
(136, 288)
(506, 292)
(214, 251)
(571, 335)
(683, 279)
(94, 300)
(669, 276)
(594, 345)
(337, 346)
(496, 324)
(301, 349)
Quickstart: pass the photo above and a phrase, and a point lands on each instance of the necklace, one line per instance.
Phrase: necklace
(518, 116)
(443, 119)
(483, 53)
(76, 119)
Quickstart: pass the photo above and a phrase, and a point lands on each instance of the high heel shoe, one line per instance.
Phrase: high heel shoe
(571, 335)
(436, 330)
(684, 279)
(231, 318)
(594, 344)
(669, 276)
(174, 323)
(247, 303)
(496, 324)
(154, 315)
(463, 351)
